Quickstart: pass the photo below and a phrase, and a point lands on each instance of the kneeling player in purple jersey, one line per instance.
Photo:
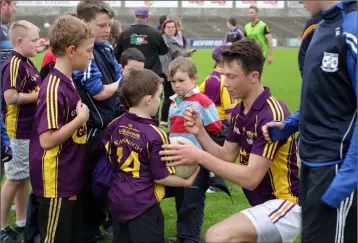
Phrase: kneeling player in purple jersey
(58, 141)
(132, 143)
(268, 173)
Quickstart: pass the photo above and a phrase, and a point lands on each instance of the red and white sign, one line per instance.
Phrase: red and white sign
(261, 4)
(152, 4)
(207, 4)
(46, 3)
(58, 3)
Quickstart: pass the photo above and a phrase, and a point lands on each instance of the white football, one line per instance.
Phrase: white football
(183, 171)
(47, 25)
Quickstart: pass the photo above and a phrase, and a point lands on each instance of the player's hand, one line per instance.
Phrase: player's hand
(192, 120)
(190, 181)
(183, 153)
(269, 60)
(266, 129)
(82, 111)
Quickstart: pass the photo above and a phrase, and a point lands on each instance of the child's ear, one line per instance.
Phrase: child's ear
(70, 51)
(194, 78)
(18, 41)
(148, 99)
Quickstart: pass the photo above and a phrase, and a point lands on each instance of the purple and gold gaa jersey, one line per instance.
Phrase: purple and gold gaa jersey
(281, 181)
(133, 144)
(19, 73)
(57, 172)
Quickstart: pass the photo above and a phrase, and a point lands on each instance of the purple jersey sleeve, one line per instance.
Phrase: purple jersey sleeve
(12, 74)
(51, 106)
(157, 166)
(232, 135)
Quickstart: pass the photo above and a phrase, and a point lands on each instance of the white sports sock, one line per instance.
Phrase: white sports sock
(20, 223)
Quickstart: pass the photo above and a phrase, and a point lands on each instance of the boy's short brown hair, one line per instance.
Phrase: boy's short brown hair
(183, 64)
(20, 29)
(88, 10)
(139, 83)
(68, 31)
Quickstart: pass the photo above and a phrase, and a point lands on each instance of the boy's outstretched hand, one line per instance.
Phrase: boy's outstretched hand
(182, 153)
(192, 120)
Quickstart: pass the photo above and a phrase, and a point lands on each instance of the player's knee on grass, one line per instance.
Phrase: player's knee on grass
(241, 230)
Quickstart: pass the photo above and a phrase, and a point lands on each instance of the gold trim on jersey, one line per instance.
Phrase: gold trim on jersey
(52, 102)
(50, 171)
(280, 168)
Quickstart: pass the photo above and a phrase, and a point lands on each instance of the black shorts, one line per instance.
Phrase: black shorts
(60, 220)
(146, 228)
(320, 222)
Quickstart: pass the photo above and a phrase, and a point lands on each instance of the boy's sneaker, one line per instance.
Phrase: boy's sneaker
(174, 240)
(163, 124)
(212, 190)
(8, 235)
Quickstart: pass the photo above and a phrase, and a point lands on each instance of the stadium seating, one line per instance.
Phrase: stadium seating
(203, 27)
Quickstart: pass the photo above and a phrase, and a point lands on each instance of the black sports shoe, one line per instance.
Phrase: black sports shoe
(8, 235)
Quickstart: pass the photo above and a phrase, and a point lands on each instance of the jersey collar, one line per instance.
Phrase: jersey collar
(15, 53)
(136, 118)
(260, 101)
(191, 93)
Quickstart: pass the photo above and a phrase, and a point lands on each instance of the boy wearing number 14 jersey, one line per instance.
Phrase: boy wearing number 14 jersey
(132, 143)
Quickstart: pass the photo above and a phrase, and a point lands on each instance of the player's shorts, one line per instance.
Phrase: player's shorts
(60, 219)
(18, 168)
(147, 227)
(275, 220)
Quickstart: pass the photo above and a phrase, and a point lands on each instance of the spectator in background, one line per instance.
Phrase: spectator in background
(258, 30)
(116, 30)
(145, 38)
(162, 18)
(234, 33)
(175, 49)
(180, 34)
(7, 9)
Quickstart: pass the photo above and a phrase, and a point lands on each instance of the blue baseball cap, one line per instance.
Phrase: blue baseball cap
(218, 51)
(141, 12)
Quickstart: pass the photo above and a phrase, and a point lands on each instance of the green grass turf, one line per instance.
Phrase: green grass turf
(283, 78)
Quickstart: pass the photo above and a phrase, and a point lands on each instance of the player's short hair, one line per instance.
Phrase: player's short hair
(131, 54)
(232, 21)
(139, 83)
(168, 21)
(245, 52)
(183, 64)
(71, 14)
(255, 8)
(20, 29)
(68, 31)
(88, 10)
(115, 32)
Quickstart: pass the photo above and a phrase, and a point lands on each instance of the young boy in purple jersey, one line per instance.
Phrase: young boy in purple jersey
(59, 137)
(20, 85)
(268, 172)
(132, 143)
